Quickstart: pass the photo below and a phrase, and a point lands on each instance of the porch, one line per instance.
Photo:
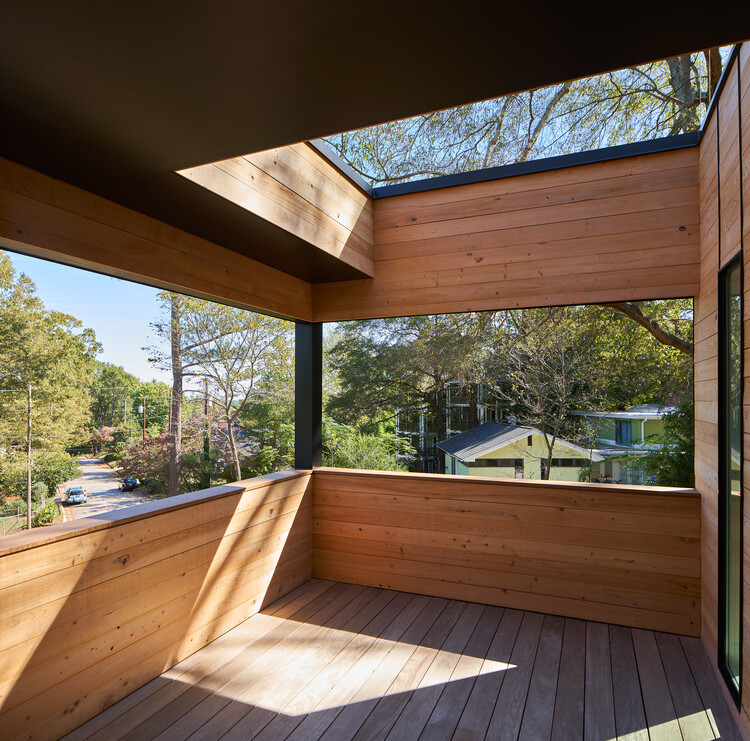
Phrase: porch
(364, 590)
(338, 661)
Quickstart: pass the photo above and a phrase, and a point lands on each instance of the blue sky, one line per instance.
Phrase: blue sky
(118, 311)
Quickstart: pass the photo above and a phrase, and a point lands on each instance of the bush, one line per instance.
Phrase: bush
(109, 457)
(346, 447)
(46, 515)
(39, 491)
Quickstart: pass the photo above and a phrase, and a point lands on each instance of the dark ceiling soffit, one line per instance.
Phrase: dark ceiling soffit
(176, 200)
(666, 144)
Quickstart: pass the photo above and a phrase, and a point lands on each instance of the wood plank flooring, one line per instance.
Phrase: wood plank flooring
(337, 661)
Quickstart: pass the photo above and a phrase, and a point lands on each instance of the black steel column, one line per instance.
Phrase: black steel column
(308, 394)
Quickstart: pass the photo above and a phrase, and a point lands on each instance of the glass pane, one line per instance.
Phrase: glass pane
(732, 469)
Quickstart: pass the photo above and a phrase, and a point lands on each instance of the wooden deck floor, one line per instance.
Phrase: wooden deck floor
(337, 661)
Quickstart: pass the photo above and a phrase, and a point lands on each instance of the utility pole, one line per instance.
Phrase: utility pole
(28, 465)
(206, 440)
(143, 410)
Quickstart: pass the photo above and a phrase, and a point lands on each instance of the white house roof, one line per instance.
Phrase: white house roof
(640, 411)
(476, 442)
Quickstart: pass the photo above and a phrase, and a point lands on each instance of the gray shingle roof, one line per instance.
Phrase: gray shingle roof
(467, 445)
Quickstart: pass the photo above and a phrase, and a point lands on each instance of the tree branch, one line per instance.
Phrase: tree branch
(633, 311)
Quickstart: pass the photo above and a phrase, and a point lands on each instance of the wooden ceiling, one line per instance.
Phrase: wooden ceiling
(114, 97)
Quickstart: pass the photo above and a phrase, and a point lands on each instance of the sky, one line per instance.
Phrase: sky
(118, 311)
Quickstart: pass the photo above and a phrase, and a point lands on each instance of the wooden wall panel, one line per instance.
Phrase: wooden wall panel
(618, 554)
(623, 229)
(51, 219)
(706, 379)
(724, 200)
(103, 607)
(727, 115)
(300, 191)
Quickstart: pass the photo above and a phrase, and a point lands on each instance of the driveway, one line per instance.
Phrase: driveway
(100, 483)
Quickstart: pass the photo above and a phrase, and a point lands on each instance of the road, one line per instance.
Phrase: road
(100, 483)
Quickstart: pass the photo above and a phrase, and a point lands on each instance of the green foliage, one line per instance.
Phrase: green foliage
(49, 469)
(347, 447)
(54, 467)
(635, 104)
(49, 513)
(673, 464)
(148, 461)
(52, 353)
(113, 393)
(39, 491)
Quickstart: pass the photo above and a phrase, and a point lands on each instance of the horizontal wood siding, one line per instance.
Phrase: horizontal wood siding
(89, 611)
(619, 554)
(624, 229)
(724, 199)
(47, 218)
(299, 190)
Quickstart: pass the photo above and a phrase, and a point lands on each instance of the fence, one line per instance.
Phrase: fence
(13, 519)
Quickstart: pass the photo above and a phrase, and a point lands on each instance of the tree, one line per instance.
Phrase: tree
(406, 363)
(544, 370)
(230, 349)
(347, 447)
(171, 331)
(647, 102)
(227, 347)
(112, 391)
(52, 353)
(672, 464)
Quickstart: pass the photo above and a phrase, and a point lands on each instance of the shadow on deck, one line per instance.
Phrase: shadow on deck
(338, 661)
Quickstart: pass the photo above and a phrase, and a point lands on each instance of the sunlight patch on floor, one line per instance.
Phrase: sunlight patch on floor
(313, 651)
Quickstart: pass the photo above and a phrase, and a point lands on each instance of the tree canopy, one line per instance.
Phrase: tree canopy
(660, 99)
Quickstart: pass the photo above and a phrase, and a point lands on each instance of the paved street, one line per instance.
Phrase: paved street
(100, 483)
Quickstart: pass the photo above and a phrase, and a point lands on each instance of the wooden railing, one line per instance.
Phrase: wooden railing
(92, 609)
(619, 554)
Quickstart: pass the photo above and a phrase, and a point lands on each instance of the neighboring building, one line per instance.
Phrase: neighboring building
(465, 406)
(622, 436)
(628, 429)
(513, 451)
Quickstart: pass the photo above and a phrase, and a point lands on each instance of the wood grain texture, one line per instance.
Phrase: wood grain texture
(608, 231)
(569, 549)
(298, 190)
(723, 203)
(107, 606)
(47, 218)
(352, 662)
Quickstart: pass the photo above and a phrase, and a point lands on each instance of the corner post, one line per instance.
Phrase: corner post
(308, 394)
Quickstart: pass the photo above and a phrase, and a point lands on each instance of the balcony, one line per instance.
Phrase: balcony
(340, 598)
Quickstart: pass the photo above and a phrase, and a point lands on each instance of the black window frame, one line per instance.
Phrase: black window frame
(724, 449)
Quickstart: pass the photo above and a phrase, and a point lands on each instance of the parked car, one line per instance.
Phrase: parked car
(75, 495)
(128, 484)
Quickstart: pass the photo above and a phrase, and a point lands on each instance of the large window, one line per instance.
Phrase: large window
(730, 473)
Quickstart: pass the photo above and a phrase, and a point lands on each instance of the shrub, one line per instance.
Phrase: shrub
(45, 515)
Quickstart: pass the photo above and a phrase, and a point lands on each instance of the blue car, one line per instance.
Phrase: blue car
(76, 495)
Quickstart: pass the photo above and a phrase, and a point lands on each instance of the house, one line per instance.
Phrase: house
(514, 451)
(629, 429)
(621, 436)
(465, 406)
(175, 146)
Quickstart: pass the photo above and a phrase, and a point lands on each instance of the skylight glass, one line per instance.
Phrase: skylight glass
(636, 104)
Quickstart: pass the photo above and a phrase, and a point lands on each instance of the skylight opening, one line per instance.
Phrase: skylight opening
(653, 101)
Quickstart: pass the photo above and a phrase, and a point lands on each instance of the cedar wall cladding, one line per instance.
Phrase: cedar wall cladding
(608, 231)
(94, 608)
(725, 196)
